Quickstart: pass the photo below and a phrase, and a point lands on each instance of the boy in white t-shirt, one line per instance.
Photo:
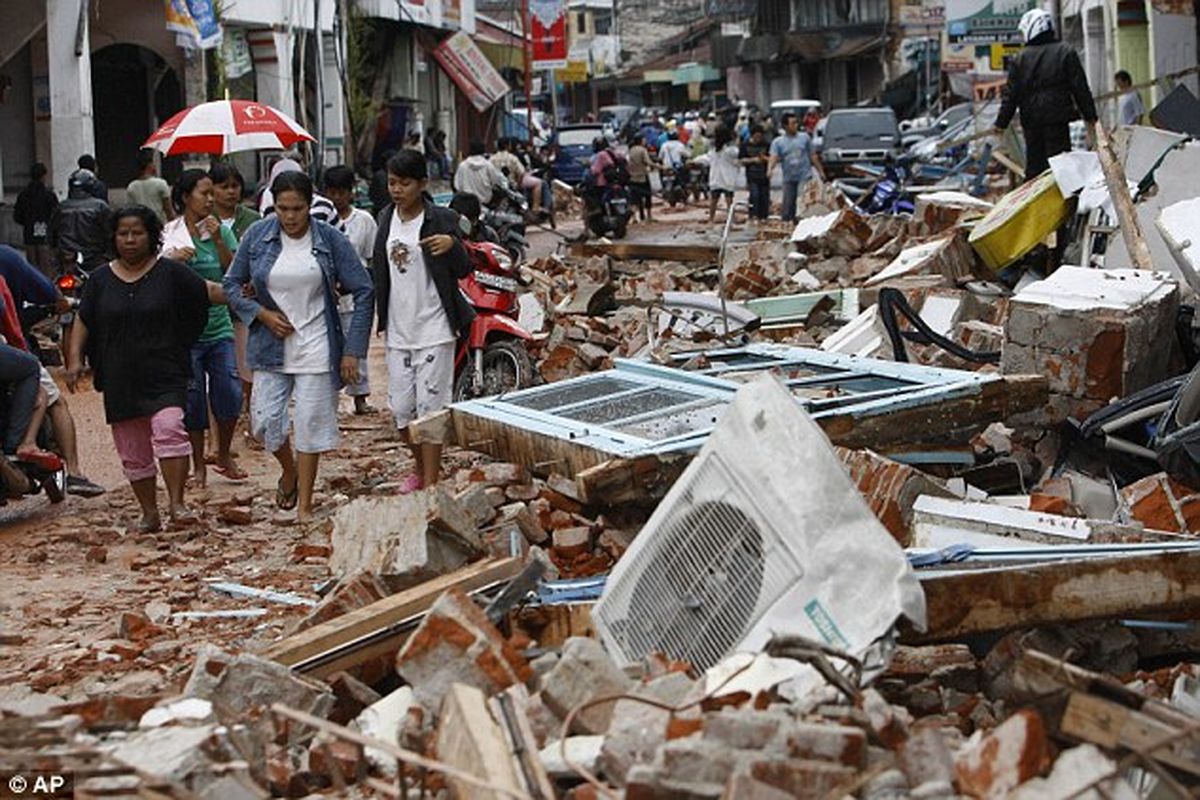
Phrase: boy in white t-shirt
(359, 227)
(418, 260)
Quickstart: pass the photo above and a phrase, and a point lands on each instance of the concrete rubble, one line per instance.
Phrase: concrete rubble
(444, 641)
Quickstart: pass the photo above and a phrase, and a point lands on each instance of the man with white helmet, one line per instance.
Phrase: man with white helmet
(1047, 83)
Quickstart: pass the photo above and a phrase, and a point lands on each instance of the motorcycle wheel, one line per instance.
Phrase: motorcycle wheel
(506, 368)
(620, 229)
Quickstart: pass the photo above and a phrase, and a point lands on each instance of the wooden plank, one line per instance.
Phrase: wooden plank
(624, 480)
(378, 616)
(1112, 726)
(470, 740)
(684, 246)
(992, 600)
(1118, 190)
(946, 420)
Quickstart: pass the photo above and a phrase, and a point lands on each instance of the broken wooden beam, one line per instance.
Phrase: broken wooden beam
(1118, 190)
(953, 419)
(626, 480)
(1114, 727)
(382, 627)
(971, 601)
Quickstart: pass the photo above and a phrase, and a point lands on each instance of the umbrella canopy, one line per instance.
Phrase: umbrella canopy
(227, 126)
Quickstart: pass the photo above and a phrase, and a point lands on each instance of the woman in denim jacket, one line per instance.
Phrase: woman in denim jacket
(283, 284)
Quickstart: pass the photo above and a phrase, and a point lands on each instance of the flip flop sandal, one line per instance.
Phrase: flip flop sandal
(41, 458)
(287, 500)
(146, 527)
(232, 473)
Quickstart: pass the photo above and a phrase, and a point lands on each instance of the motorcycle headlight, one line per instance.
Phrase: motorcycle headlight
(498, 282)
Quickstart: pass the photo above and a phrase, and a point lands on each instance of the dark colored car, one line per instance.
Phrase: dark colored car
(859, 136)
(574, 150)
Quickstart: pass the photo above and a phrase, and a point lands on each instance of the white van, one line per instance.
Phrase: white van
(797, 107)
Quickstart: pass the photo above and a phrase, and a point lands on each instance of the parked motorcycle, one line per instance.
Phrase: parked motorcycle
(506, 215)
(493, 357)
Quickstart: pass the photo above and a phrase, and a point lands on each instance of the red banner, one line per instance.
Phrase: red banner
(548, 30)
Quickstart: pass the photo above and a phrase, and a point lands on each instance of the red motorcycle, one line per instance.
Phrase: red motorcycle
(493, 358)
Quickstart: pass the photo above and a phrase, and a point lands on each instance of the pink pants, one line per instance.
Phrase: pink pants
(140, 441)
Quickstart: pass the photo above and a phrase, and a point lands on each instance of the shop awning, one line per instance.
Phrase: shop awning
(831, 44)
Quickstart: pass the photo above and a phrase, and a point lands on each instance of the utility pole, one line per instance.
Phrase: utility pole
(319, 155)
(527, 48)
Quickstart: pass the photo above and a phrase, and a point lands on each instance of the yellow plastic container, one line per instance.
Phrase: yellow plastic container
(1019, 221)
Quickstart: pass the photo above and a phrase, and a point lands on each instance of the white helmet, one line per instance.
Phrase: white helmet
(1034, 23)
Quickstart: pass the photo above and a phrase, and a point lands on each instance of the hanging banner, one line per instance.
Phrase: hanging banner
(548, 30)
(194, 23)
(471, 71)
(235, 53)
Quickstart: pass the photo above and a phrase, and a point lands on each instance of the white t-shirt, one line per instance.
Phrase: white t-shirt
(723, 168)
(298, 289)
(359, 228)
(416, 319)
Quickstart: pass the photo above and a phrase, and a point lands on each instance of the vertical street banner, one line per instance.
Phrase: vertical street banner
(548, 31)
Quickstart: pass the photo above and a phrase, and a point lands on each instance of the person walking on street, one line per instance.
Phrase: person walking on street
(1046, 82)
(33, 212)
(96, 187)
(229, 189)
(476, 175)
(359, 227)
(640, 165)
(794, 149)
(80, 225)
(722, 170)
(1130, 109)
(137, 322)
(418, 260)
(149, 190)
(753, 155)
(198, 238)
(298, 348)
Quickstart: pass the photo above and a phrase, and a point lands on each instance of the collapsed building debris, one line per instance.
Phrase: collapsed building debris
(812, 511)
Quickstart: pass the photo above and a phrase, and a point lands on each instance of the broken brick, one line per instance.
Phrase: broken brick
(456, 643)
(992, 765)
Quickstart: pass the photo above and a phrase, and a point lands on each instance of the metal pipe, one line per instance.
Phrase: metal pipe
(733, 207)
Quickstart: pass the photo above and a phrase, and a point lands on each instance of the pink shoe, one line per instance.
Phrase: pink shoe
(412, 483)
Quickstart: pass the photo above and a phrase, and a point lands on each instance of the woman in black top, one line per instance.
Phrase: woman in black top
(138, 319)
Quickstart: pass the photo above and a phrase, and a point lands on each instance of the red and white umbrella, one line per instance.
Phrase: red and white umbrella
(227, 126)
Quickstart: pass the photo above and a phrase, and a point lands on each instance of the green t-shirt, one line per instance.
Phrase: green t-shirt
(207, 264)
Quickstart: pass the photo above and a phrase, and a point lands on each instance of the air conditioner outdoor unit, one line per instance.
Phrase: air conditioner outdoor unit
(764, 533)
